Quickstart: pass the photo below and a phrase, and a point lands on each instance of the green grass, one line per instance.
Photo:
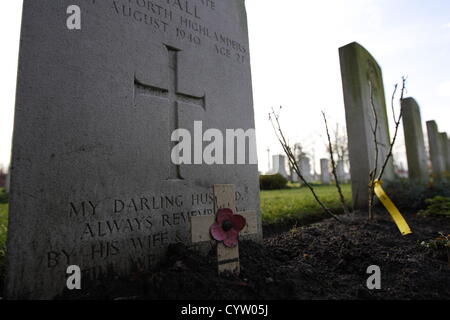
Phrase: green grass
(298, 204)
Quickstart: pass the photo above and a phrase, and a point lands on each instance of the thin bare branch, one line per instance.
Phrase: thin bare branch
(397, 125)
(274, 119)
(392, 102)
(333, 164)
(373, 173)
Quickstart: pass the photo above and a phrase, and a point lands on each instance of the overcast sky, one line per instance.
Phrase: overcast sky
(295, 63)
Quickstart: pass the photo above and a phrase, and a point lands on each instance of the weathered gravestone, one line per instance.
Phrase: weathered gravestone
(279, 165)
(93, 183)
(414, 141)
(340, 171)
(362, 79)
(8, 180)
(305, 169)
(436, 152)
(445, 152)
(448, 159)
(324, 171)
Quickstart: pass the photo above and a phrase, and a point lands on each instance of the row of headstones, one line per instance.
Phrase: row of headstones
(362, 82)
(439, 145)
(304, 164)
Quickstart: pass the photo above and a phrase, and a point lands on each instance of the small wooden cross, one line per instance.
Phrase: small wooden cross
(227, 258)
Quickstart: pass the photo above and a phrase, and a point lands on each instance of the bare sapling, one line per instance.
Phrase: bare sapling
(333, 165)
(275, 121)
(375, 174)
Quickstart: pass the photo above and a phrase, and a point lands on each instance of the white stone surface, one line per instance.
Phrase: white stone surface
(414, 141)
(325, 177)
(358, 70)
(93, 184)
(279, 165)
(435, 149)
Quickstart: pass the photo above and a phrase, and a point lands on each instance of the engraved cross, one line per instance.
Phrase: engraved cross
(174, 97)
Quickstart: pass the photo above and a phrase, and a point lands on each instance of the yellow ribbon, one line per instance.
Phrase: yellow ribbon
(393, 211)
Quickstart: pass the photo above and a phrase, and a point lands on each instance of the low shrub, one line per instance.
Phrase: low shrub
(272, 182)
(437, 206)
(3, 196)
(407, 194)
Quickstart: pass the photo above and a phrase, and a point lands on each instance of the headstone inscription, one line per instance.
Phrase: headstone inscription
(436, 152)
(93, 182)
(414, 141)
(324, 171)
(362, 81)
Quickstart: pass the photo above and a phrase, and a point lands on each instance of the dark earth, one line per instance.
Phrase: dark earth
(327, 260)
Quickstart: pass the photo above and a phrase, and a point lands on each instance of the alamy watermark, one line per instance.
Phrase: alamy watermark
(235, 146)
(74, 280)
(374, 281)
(74, 20)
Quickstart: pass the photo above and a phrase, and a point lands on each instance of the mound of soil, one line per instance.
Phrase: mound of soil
(327, 260)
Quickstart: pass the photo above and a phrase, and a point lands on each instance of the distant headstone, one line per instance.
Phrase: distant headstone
(93, 180)
(448, 159)
(436, 152)
(8, 180)
(360, 72)
(279, 165)
(324, 171)
(305, 169)
(340, 171)
(414, 141)
(445, 152)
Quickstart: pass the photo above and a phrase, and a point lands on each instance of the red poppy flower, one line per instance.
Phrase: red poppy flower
(227, 227)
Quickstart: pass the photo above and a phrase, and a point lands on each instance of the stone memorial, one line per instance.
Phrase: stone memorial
(445, 152)
(94, 180)
(279, 165)
(8, 180)
(361, 79)
(340, 171)
(436, 152)
(305, 169)
(414, 141)
(324, 171)
(448, 146)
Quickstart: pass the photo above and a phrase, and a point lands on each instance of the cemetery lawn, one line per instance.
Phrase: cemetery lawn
(297, 204)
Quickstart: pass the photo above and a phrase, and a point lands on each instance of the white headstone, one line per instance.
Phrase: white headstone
(279, 165)
(324, 171)
(445, 152)
(414, 141)
(8, 180)
(305, 168)
(93, 183)
(340, 171)
(362, 75)
(436, 150)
